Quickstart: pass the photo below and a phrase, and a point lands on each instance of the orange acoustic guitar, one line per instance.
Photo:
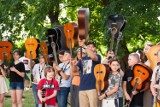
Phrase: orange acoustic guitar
(152, 56)
(31, 45)
(101, 73)
(142, 73)
(44, 51)
(5, 51)
(71, 33)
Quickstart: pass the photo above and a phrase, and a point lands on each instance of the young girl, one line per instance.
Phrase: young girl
(110, 97)
(51, 87)
(17, 73)
(3, 85)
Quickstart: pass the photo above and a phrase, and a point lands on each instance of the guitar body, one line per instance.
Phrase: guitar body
(152, 56)
(44, 51)
(5, 50)
(83, 23)
(71, 33)
(101, 73)
(141, 74)
(31, 46)
(54, 35)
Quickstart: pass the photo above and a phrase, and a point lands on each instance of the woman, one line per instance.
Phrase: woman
(3, 85)
(38, 74)
(17, 73)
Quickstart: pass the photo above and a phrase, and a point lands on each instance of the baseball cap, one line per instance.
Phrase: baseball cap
(83, 50)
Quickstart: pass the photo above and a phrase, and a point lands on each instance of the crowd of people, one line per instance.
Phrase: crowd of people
(52, 83)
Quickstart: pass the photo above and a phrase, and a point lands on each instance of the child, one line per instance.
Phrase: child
(110, 97)
(51, 87)
(3, 85)
(137, 100)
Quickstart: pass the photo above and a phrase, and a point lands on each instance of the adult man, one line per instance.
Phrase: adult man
(88, 96)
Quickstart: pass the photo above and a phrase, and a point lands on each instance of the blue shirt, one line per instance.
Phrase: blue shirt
(86, 66)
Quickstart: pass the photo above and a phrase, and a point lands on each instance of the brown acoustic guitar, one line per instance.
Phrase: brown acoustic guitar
(44, 51)
(142, 73)
(101, 73)
(31, 45)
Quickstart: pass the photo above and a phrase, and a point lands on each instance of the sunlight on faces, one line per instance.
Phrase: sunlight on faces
(114, 66)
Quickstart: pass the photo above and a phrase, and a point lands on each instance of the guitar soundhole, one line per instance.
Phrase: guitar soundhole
(137, 80)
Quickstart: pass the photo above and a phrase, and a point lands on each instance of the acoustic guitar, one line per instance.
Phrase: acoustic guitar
(54, 38)
(44, 51)
(83, 23)
(31, 45)
(101, 73)
(142, 73)
(5, 51)
(152, 56)
(71, 34)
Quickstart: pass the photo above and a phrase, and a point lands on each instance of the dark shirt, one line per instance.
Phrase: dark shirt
(138, 98)
(86, 65)
(14, 77)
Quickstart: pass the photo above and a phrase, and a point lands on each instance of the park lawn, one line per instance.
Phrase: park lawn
(28, 99)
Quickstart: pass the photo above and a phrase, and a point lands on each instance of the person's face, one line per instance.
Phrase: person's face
(114, 66)
(60, 57)
(131, 61)
(110, 54)
(146, 48)
(66, 56)
(50, 74)
(16, 56)
(41, 59)
(91, 47)
(79, 54)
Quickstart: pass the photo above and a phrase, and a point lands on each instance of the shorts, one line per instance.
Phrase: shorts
(16, 86)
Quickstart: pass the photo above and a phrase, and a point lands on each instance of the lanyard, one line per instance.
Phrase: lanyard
(40, 71)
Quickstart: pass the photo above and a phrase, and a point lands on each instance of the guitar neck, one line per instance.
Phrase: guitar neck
(54, 52)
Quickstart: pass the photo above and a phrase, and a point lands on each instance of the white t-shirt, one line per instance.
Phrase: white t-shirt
(26, 62)
(63, 82)
(38, 72)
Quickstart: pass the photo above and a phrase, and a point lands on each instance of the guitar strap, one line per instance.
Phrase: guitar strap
(64, 67)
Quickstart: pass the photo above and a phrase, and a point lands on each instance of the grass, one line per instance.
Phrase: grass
(28, 99)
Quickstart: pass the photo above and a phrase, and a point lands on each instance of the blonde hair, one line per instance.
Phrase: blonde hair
(136, 56)
(47, 69)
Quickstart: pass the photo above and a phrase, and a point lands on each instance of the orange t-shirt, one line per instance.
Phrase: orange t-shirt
(76, 80)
